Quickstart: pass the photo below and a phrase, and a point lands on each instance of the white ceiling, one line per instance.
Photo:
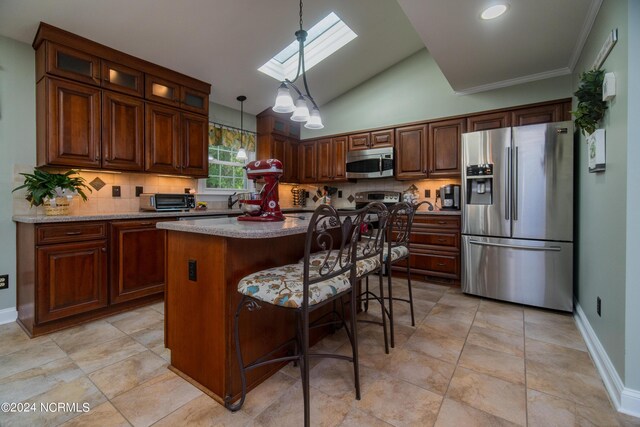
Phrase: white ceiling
(535, 39)
(224, 42)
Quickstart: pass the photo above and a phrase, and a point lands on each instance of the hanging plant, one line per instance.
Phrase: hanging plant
(591, 107)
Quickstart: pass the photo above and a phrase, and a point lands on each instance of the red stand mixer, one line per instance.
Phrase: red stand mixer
(263, 206)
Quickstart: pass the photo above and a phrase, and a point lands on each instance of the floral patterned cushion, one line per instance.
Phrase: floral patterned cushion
(284, 286)
(396, 252)
(363, 266)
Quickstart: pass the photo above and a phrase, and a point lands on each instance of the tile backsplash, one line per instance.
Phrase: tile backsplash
(102, 201)
(350, 188)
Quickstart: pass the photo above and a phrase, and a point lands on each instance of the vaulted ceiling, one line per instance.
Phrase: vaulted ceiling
(224, 42)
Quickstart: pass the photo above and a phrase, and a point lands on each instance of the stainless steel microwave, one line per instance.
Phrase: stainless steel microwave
(167, 202)
(372, 163)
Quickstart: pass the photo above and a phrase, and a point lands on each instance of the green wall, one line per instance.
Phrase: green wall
(17, 143)
(415, 89)
(602, 201)
(230, 116)
(632, 375)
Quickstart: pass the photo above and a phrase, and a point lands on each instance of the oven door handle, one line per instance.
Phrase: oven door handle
(380, 164)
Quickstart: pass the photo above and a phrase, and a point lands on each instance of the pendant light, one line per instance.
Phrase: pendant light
(284, 101)
(242, 153)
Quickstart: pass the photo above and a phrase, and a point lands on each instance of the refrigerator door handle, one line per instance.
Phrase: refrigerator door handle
(529, 248)
(507, 173)
(514, 202)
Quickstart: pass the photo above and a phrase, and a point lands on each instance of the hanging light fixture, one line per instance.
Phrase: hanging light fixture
(242, 153)
(284, 101)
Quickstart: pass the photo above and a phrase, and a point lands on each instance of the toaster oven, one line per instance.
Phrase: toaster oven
(163, 202)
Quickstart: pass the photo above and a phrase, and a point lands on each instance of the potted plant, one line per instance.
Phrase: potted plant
(53, 190)
(591, 107)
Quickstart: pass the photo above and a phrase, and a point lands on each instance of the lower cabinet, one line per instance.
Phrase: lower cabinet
(71, 279)
(68, 273)
(435, 246)
(137, 261)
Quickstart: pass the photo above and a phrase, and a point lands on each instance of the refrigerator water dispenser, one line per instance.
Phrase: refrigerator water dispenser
(479, 184)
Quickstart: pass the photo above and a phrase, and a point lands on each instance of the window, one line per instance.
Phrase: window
(226, 172)
(323, 39)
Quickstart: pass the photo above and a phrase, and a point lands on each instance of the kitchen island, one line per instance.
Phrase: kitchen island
(205, 261)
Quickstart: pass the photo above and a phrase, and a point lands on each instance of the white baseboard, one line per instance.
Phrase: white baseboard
(626, 400)
(8, 315)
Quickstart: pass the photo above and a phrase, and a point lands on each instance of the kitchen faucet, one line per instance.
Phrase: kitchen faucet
(231, 202)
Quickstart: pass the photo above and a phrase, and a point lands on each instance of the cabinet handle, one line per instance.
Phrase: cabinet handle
(441, 264)
(73, 233)
(146, 223)
(442, 222)
(104, 249)
(441, 240)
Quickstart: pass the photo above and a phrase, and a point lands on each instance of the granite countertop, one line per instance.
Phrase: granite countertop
(231, 227)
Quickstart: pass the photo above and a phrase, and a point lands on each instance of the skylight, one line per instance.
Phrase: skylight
(323, 39)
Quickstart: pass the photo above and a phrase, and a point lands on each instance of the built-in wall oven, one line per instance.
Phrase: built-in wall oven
(372, 163)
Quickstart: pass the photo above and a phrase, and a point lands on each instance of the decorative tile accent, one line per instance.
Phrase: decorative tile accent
(97, 183)
(351, 198)
(315, 198)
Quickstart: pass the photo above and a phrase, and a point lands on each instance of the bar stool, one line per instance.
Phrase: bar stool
(397, 249)
(306, 287)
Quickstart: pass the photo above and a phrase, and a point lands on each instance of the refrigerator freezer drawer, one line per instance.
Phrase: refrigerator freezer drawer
(530, 272)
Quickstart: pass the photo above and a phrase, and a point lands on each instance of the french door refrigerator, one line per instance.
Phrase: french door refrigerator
(517, 214)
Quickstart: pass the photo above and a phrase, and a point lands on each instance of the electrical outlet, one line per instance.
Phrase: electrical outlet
(339, 194)
(599, 306)
(193, 270)
(437, 193)
(4, 281)
(187, 190)
(427, 193)
(139, 191)
(115, 191)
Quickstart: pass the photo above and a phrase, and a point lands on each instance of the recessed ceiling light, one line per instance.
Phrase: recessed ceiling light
(494, 11)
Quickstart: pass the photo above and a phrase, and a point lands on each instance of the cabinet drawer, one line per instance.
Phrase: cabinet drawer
(432, 263)
(60, 233)
(436, 238)
(439, 221)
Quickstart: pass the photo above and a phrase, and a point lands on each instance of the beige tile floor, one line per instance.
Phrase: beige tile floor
(468, 362)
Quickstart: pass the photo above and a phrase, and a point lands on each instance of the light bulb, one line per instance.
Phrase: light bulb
(315, 121)
(301, 114)
(284, 102)
(242, 154)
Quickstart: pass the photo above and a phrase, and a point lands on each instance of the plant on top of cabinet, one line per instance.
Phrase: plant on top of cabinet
(53, 190)
(591, 107)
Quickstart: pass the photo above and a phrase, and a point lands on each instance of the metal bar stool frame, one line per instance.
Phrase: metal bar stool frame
(323, 222)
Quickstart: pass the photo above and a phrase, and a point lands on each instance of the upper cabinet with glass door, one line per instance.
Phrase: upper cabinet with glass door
(121, 78)
(69, 63)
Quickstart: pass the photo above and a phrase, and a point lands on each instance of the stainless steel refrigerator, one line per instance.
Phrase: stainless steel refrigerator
(517, 214)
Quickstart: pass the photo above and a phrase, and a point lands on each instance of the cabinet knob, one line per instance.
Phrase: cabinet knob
(104, 249)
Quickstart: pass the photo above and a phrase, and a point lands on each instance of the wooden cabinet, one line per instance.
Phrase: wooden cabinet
(325, 164)
(68, 124)
(121, 78)
(489, 121)
(283, 148)
(435, 246)
(194, 147)
(137, 262)
(71, 279)
(367, 140)
(122, 132)
(71, 272)
(162, 139)
(64, 61)
(331, 157)
(411, 152)
(90, 110)
(308, 162)
(338, 158)
(535, 115)
(444, 148)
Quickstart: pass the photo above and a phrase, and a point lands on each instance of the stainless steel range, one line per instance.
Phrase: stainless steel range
(388, 198)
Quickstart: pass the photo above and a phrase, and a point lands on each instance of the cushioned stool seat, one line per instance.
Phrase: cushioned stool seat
(363, 266)
(283, 286)
(397, 252)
